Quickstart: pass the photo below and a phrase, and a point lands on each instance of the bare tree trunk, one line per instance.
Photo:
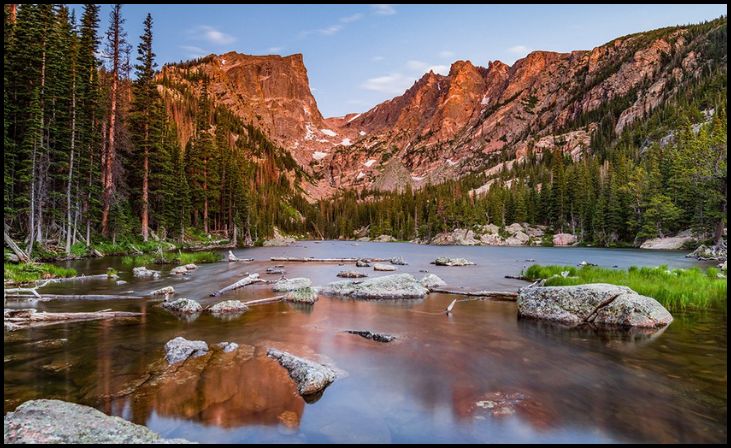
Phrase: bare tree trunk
(110, 148)
(205, 195)
(145, 188)
(69, 231)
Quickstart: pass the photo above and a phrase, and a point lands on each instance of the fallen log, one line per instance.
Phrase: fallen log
(248, 280)
(26, 318)
(263, 301)
(22, 256)
(325, 260)
(494, 295)
(73, 297)
(80, 277)
(517, 277)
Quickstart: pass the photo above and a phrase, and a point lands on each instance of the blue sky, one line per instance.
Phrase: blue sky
(360, 55)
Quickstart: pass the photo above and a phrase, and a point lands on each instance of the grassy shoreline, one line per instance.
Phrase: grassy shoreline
(25, 273)
(676, 289)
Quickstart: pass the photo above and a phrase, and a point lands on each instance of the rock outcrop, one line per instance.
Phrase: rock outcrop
(564, 239)
(311, 377)
(596, 304)
(228, 307)
(395, 286)
(302, 295)
(56, 421)
(447, 261)
(292, 284)
(279, 240)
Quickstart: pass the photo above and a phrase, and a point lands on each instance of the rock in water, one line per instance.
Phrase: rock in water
(163, 291)
(378, 337)
(143, 272)
(432, 281)
(446, 261)
(56, 421)
(183, 306)
(229, 307)
(597, 303)
(310, 377)
(292, 284)
(179, 270)
(275, 270)
(399, 261)
(302, 295)
(395, 286)
(351, 274)
(180, 349)
(362, 263)
(228, 347)
(383, 267)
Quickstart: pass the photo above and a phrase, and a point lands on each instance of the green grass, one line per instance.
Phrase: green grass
(675, 289)
(171, 258)
(30, 272)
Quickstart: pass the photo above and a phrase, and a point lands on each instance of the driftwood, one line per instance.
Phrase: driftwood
(263, 301)
(495, 295)
(517, 277)
(325, 260)
(71, 297)
(80, 277)
(22, 256)
(248, 280)
(26, 318)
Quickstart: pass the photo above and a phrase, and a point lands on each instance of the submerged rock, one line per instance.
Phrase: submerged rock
(597, 303)
(432, 281)
(228, 347)
(351, 274)
(292, 284)
(446, 261)
(383, 267)
(182, 306)
(163, 291)
(302, 295)
(378, 337)
(228, 307)
(275, 270)
(180, 349)
(310, 377)
(179, 270)
(143, 272)
(395, 286)
(56, 421)
(362, 263)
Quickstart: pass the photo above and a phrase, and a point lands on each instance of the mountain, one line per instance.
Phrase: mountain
(468, 121)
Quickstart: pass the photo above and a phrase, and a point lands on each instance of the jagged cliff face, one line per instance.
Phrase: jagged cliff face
(447, 126)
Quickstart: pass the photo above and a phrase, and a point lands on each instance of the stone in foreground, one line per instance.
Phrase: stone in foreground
(180, 349)
(292, 284)
(378, 337)
(310, 377)
(598, 303)
(56, 421)
(394, 286)
(446, 261)
(351, 274)
(229, 307)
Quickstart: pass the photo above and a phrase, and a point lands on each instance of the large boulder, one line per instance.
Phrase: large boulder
(385, 239)
(292, 284)
(458, 237)
(310, 377)
(518, 239)
(446, 261)
(492, 239)
(431, 281)
(165, 291)
(56, 421)
(667, 243)
(228, 307)
(490, 229)
(395, 286)
(182, 306)
(383, 267)
(180, 349)
(362, 263)
(597, 303)
(564, 239)
(514, 228)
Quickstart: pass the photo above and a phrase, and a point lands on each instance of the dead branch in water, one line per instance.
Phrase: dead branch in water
(325, 260)
(263, 301)
(494, 295)
(248, 280)
(72, 297)
(27, 318)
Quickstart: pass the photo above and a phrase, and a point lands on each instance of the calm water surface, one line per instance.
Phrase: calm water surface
(479, 375)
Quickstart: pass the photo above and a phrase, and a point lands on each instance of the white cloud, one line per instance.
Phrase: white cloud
(353, 18)
(519, 49)
(215, 36)
(274, 49)
(193, 52)
(446, 54)
(377, 58)
(330, 30)
(394, 83)
(416, 65)
(384, 9)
